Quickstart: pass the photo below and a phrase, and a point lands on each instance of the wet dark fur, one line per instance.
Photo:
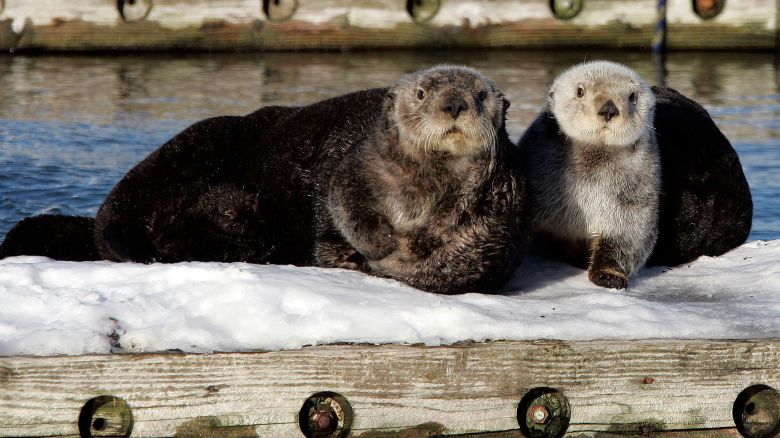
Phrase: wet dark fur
(235, 188)
(54, 236)
(471, 240)
(252, 189)
(706, 207)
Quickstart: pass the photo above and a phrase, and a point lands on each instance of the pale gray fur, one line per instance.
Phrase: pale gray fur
(592, 179)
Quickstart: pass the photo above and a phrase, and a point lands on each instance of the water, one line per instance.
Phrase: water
(71, 126)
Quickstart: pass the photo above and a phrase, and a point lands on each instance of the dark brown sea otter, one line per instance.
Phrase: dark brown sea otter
(433, 196)
(706, 207)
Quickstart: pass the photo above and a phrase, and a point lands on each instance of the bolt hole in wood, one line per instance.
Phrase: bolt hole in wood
(99, 424)
(707, 9)
(756, 412)
(422, 11)
(566, 9)
(105, 416)
(325, 415)
(132, 11)
(543, 413)
(279, 10)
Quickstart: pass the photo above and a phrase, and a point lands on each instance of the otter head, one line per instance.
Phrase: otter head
(602, 103)
(447, 109)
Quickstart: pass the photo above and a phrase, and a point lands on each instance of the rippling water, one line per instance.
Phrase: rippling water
(71, 126)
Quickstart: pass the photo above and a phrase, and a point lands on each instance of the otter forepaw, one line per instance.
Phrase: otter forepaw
(608, 277)
(353, 261)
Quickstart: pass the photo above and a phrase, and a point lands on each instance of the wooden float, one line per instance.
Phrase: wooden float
(100, 25)
(663, 388)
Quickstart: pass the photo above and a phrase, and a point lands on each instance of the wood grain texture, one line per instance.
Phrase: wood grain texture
(423, 391)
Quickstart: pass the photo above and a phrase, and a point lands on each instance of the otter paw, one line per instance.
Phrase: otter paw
(608, 277)
(353, 260)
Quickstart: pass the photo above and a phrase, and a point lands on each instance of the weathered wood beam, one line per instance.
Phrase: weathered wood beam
(344, 24)
(672, 388)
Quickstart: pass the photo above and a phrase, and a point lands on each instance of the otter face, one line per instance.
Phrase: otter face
(447, 109)
(602, 103)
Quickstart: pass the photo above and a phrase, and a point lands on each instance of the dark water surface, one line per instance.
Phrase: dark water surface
(71, 126)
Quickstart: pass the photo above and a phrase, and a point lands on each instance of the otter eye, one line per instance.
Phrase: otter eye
(580, 91)
(482, 95)
(632, 97)
(420, 94)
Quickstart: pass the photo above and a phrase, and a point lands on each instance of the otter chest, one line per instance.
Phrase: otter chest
(407, 200)
(409, 208)
(605, 194)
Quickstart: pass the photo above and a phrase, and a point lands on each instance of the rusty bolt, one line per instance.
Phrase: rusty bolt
(322, 418)
(538, 414)
(648, 380)
(325, 415)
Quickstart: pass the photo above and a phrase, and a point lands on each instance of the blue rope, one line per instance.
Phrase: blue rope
(659, 33)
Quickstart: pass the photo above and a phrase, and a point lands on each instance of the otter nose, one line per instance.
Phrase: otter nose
(609, 110)
(454, 104)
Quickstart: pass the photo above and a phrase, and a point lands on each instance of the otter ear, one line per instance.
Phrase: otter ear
(504, 101)
(389, 101)
(387, 108)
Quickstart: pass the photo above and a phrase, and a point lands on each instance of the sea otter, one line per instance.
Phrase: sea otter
(594, 171)
(706, 207)
(432, 194)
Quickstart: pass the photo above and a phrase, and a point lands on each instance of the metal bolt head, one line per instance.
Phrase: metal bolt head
(323, 418)
(543, 413)
(325, 415)
(538, 414)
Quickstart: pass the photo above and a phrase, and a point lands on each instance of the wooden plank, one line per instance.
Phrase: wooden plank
(636, 387)
(740, 25)
(719, 36)
(79, 35)
(345, 24)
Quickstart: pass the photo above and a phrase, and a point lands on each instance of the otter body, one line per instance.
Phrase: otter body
(434, 196)
(234, 188)
(593, 168)
(706, 207)
(55, 236)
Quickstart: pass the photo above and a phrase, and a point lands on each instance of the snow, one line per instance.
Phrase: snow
(53, 307)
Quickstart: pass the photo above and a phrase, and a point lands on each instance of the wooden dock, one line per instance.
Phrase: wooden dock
(664, 388)
(107, 25)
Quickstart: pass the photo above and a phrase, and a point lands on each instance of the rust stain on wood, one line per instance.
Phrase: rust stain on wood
(424, 430)
(211, 427)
